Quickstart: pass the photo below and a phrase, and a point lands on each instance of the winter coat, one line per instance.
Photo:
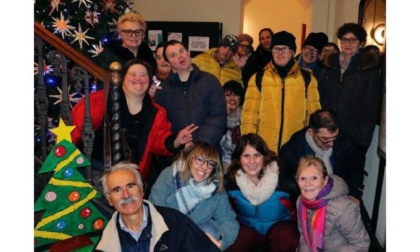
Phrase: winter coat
(215, 210)
(281, 108)
(345, 159)
(354, 96)
(256, 62)
(201, 100)
(278, 207)
(171, 231)
(344, 229)
(207, 62)
(114, 51)
(159, 139)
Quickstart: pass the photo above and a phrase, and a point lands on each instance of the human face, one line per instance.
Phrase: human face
(124, 193)
(223, 54)
(309, 54)
(202, 167)
(178, 57)
(350, 45)
(136, 81)
(324, 138)
(243, 48)
(311, 181)
(162, 65)
(133, 40)
(252, 162)
(232, 101)
(326, 51)
(281, 58)
(265, 40)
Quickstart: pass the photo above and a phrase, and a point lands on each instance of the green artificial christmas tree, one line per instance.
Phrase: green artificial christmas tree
(67, 198)
(84, 24)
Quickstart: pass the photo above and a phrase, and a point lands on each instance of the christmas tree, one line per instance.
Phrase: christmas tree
(67, 198)
(84, 24)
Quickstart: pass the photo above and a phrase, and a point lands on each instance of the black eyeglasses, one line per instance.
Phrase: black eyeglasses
(210, 163)
(244, 46)
(280, 49)
(129, 33)
(324, 140)
(312, 50)
(348, 40)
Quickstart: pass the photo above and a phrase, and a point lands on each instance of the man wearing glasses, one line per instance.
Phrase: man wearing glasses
(322, 138)
(312, 47)
(281, 103)
(131, 27)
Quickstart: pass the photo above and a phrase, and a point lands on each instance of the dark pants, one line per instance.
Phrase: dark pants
(283, 236)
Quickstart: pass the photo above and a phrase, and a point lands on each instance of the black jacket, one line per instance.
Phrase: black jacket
(354, 96)
(345, 159)
(256, 62)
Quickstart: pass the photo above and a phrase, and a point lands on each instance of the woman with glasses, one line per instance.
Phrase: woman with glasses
(131, 29)
(328, 219)
(193, 184)
(263, 197)
(243, 49)
(350, 85)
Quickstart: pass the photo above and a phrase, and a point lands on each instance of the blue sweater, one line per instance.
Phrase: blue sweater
(216, 209)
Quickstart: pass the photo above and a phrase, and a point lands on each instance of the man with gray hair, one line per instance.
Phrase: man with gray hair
(138, 225)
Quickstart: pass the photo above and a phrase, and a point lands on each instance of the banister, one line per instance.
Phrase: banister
(77, 57)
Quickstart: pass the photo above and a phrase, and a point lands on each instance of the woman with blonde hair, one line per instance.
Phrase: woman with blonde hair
(329, 220)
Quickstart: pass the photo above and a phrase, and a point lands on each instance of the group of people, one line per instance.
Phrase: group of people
(237, 149)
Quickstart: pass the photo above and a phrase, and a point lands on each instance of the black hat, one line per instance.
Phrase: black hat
(230, 41)
(284, 38)
(317, 40)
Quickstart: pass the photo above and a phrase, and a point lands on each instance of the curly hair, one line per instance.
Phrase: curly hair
(354, 28)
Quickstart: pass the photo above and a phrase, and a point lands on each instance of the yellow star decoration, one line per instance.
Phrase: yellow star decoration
(63, 131)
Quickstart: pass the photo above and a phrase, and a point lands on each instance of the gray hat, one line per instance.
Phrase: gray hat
(230, 41)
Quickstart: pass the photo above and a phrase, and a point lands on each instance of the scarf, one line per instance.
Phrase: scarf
(320, 153)
(314, 234)
(189, 194)
(257, 194)
(343, 63)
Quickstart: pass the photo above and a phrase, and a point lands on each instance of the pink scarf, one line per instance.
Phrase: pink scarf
(315, 238)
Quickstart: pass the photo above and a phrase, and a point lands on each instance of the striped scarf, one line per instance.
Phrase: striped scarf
(314, 234)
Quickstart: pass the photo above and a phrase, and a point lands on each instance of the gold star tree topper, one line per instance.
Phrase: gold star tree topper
(63, 131)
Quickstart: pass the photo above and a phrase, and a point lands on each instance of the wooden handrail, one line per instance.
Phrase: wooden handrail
(77, 57)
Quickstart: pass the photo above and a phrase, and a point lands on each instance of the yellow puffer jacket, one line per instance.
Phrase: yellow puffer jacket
(207, 62)
(280, 109)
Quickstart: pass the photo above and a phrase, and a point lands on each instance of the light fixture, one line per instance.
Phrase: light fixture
(378, 34)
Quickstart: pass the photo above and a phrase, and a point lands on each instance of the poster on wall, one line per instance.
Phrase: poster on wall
(175, 36)
(198, 44)
(155, 37)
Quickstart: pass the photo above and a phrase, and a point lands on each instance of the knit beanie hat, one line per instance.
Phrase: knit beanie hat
(317, 40)
(230, 41)
(245, 37)
(284, 38)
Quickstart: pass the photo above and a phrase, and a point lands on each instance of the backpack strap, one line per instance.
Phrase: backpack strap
(258, 79)
(306, 77)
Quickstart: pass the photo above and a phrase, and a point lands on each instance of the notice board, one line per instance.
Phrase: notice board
(197, 36)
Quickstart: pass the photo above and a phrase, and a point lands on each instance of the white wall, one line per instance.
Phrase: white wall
(224, 11)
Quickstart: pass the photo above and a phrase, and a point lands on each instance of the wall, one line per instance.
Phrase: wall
(224, 11)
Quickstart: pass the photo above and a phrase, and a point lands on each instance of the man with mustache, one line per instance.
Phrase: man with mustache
(138, 225)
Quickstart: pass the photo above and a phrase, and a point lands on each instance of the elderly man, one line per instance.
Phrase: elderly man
(219, 62)
(138, 225)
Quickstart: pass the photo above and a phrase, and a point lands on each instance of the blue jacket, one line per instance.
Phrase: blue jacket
(201, 100)
(278, 207)
(215, 209)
